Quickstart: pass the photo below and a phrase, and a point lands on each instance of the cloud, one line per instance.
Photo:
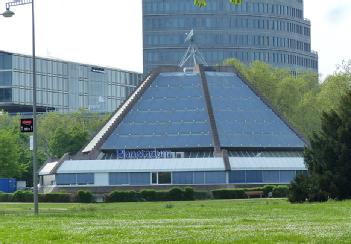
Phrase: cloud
(338, 14)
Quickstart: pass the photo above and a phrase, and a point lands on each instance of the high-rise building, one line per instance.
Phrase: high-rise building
(273, 31)
(61, 85)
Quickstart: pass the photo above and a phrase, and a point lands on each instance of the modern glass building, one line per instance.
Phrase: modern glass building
(61, 85)
(273, 31)
(207, 127)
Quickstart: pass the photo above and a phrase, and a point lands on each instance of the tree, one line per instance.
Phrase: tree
(328, 157)
(67, 139)
(9, 155)
(67, 133)
(203, 3)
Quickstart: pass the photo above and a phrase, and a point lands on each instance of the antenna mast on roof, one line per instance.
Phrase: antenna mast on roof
(192, 52)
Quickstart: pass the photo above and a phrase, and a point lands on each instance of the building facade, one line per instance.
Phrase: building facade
(61, 85)
(204, 128)
(273, 31)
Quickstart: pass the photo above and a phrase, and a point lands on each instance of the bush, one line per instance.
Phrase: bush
(23, 196)
(299, 189)
(188, 193)
(55, 197)
(280, 191)
(267, 189)
(84, 196)
(149, 195)
(162, 196)
(229, 194)
(175, 194)
(6, 197)
(123, 196)
(202, 195)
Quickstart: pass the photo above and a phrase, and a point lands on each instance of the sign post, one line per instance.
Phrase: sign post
(27, 125)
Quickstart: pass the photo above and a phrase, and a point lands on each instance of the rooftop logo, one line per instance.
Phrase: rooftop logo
(143, 154)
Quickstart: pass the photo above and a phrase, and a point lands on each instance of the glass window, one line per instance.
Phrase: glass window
(253, 176)
(5, 94)
(164, 178)
(118, 179)
(85, 179)
(5, 61)
(66, 179)
(182, 178)
(215, 177)
(237, 176)
(140, 178)
(154, 178)
(5, 78)
(287, 175)
(270, 176)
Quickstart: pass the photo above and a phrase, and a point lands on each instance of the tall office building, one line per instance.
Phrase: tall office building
(61, 85)
(273, 31)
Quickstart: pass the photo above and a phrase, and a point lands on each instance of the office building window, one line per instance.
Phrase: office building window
(5, 94)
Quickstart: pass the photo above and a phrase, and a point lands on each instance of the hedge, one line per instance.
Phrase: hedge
(123, 196)
(174, 194)
(84, 197)
(280, 191)
(6, 197)
(22, 196)
(229, 194)
(55, 197)
(239, 193)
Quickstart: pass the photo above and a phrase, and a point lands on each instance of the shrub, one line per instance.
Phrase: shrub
(267, 189)
(123, 196)
(280, 191)
(162, 196)
(148, 195)
(202, 195)
(84, 196)
(188, 193)
(6, 197)
(299, 189)
(176, 194)
(23, 196)
(229, 194)
(55, 197)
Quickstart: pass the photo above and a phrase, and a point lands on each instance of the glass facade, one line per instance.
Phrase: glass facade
(268, 30)
(184, 178)
(64, 86)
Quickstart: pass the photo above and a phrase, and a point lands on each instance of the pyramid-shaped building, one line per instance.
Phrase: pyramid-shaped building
(206, 126)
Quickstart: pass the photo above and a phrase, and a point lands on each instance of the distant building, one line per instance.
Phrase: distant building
(208, 128)
(273, 31)
(62, 85)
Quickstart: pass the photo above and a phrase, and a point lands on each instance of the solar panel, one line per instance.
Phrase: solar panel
(170, 114)
(242, 118)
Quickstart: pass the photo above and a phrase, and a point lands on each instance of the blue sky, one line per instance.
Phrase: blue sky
(109, 32)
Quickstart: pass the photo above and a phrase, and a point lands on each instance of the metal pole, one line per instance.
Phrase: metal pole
(35, 131)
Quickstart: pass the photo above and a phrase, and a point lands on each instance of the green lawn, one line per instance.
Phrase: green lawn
(227, 221)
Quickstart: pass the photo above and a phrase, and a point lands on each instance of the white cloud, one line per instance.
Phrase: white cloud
(331, 35)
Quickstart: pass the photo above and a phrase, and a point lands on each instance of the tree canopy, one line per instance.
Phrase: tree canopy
(328, 159)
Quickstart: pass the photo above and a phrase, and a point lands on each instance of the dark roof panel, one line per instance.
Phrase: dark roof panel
(170, 114)
(243, 119)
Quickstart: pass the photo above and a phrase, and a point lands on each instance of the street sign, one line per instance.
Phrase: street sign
(27, 125)
(31, 143)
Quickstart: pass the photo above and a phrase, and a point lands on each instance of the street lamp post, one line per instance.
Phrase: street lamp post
(9, 13)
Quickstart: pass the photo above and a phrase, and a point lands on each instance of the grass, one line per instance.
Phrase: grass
(227, 221)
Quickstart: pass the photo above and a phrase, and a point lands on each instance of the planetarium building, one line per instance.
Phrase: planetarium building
(204, 127)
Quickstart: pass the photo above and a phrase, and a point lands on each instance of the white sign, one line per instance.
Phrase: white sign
(31, 143)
